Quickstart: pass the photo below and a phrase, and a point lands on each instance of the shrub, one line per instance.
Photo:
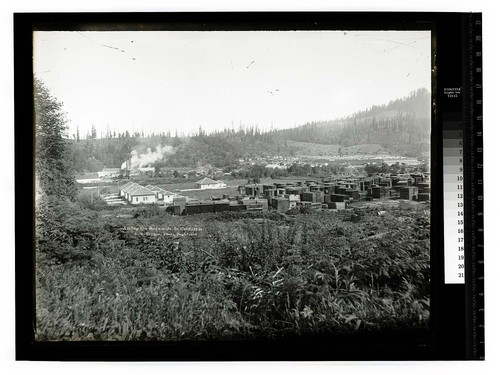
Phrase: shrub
(240, 278)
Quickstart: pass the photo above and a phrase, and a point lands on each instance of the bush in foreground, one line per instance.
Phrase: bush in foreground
(310, 275)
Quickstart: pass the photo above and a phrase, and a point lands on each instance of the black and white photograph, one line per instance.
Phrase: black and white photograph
(231, 185)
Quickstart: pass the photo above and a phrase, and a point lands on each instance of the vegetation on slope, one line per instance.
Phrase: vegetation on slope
(311, 274)
(401, 127)
(403, 121)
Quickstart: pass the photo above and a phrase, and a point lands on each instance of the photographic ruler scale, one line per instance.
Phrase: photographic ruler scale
(453, 169)
(463, 195)
(476, 258)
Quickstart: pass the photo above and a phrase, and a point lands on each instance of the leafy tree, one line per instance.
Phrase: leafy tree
(372, 168)
(53, 170)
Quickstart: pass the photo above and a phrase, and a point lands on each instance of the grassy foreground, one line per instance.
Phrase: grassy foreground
(227, 275)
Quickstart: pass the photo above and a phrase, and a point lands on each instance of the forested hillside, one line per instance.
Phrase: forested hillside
(220, 149)
(404, 120)
(401, 122)
(402, 127)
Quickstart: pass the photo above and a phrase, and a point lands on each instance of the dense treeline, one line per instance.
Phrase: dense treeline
(219, 149)
(258, 171)
(376, 168)
(402, 122)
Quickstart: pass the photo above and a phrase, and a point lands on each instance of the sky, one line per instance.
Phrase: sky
(160, 81)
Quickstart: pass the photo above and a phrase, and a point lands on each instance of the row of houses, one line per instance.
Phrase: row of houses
(137, 194)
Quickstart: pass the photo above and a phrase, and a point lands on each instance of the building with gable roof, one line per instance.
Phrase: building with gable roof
(125, 187)
(207, 183)
(139, 194)
(168, 196)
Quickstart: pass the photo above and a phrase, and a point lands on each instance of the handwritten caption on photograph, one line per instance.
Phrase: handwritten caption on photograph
(160, 230)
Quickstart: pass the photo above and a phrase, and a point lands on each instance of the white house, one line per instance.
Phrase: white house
(132, 190)
(168, 196)
(124, 188)
(137, 194)
(162, 194)
(207, 183)
(127, 188)
(142, 195)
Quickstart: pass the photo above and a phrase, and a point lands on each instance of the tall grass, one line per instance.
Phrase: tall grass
(307, 275)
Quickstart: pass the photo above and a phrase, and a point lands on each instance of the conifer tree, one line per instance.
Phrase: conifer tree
(54, 174)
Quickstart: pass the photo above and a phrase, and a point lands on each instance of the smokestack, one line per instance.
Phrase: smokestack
(126, 165)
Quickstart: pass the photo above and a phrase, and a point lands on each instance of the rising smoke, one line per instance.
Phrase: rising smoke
(149, 158)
